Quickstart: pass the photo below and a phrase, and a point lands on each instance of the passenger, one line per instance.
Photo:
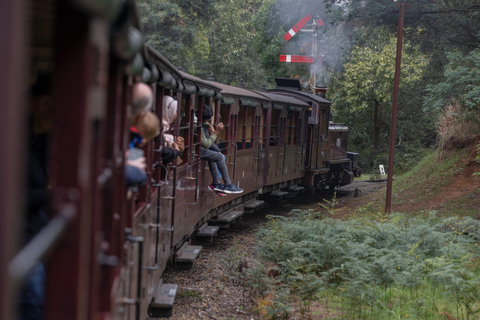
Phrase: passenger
(172, 146)
(210, 152)
(146, 128)
(142, 101)
(136, 164)
(31, 299)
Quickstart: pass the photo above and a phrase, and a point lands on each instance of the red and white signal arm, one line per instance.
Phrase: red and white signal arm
(297, 27)
(293, 58)
(301, 23)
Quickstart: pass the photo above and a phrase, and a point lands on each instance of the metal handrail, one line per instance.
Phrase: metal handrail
(38, 248)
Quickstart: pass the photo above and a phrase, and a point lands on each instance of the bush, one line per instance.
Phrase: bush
(457, 128)
(396, 265)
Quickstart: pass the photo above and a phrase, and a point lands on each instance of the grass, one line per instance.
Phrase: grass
(431, 171)
(465, 207)
(427, 179)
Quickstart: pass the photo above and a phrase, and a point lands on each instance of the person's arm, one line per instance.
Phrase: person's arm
(169, 154)
(207, 142)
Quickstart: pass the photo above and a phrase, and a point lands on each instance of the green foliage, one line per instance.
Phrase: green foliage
(397, 265)
(364, 92)
(461, 83)
(445, 22)
(232, 54)
(177, 28)
(274, 19)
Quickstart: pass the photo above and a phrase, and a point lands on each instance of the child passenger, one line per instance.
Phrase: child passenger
(146, 128)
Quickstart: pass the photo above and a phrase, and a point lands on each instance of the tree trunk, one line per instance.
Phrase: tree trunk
(376, 133)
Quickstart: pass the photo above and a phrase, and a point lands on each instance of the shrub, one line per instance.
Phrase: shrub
(457, 128)
(369, 263)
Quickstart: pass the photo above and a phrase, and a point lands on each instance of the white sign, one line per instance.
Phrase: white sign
(382, 169)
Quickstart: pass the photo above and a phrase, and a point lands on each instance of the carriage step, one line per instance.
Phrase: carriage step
(279, 194)
(294, 190)
(207, 232)
(162, 303)
(186, 256)
(252, 205)
(226, 219)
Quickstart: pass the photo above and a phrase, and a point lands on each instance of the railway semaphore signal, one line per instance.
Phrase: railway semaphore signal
(293, 58)
(316, 27)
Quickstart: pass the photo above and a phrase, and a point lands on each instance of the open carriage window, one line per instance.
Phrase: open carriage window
(263, 129)
(245, 128)
(223, 136)
(275, 131)
(291, 127)
(184, 129)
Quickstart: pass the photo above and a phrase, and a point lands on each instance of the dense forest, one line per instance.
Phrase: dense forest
(439, 99)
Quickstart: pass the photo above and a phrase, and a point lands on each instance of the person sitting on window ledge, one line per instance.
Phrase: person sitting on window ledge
(209, 151)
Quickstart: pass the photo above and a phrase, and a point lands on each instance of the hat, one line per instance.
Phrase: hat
(169, 109)
(207, 112)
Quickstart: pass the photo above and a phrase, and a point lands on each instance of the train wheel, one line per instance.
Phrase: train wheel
(309, 191)
(331, 187)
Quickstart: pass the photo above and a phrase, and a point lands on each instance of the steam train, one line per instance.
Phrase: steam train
(106, 246)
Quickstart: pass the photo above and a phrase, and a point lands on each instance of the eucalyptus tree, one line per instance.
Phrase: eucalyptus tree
(362, 95)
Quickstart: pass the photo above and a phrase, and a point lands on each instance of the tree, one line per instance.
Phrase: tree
(461, 83)
(452, 22)
(362, 95)
(232, 55)
(178, 29)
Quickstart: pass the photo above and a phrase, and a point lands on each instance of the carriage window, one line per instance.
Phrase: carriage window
(256, 131)
(263, 129)
(183, 130)
(291, 128)
(245, 128)
(275, 131)
(223, 142)
(241, 128)
(298, 129)
(249, 130)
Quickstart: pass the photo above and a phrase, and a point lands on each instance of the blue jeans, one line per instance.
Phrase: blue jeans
(31, 301)
(216, 161)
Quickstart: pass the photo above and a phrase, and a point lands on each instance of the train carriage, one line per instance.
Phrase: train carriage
(328, 164)
(106, 245)
(286, 146)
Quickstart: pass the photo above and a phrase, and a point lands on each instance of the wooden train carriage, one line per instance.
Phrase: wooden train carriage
(318, 148)
(89, 91)
(105, 251)
(286, 146)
